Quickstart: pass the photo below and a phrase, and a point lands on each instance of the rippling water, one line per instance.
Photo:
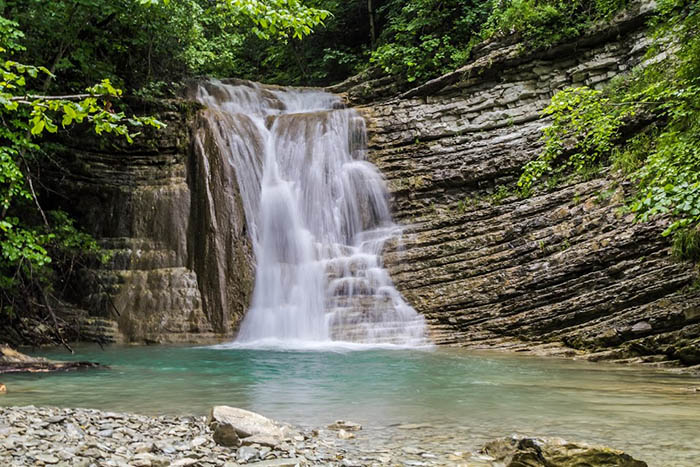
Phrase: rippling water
(463, 398)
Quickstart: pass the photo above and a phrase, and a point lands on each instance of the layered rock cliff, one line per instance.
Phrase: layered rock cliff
(165, 210)
(565, 267)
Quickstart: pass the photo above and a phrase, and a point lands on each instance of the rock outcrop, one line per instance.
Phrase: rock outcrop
(180, 266)
(565, 267)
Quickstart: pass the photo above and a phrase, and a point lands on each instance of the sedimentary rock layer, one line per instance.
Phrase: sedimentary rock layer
(165, 212)
(565, 266)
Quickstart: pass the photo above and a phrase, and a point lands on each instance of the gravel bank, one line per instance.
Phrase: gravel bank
(41, 436)
(84, 437)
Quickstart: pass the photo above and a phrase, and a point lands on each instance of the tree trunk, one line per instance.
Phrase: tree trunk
(372, 31)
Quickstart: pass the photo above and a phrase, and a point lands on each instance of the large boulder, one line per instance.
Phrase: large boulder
(230, 424)
(517, 451)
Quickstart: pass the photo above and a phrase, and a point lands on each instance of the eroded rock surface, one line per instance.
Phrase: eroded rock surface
(564, 269)
(180, 267)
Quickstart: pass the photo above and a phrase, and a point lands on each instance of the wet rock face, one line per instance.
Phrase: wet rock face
(564, 267)
(221, 252)
(154, 206)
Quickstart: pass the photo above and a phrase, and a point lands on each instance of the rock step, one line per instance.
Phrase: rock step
(359, 302)
(163, 290)
(99, 330)
(141, 259)
(399, 334)
(353, 286)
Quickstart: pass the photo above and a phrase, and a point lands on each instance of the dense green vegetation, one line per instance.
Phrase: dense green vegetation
(414, 40)
(152, 45)
(663, 157)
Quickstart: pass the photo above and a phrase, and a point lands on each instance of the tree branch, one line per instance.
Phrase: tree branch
(69, 97)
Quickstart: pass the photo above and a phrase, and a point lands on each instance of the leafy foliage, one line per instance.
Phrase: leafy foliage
(134, 42)
(28, 234)
(542, 23)
(428, 37)
(585, 127)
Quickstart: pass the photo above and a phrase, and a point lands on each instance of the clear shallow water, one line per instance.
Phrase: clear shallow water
(463, 398)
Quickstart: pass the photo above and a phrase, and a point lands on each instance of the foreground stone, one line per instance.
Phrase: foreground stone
(244, 423)
(517, 451)
(12, 361)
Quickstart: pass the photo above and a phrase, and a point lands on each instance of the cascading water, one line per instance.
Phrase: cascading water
(318, 216)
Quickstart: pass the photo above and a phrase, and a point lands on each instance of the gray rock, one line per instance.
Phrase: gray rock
(247, 453)
(226, 435)
(641, 327)
(244, 422)
(183, 462)
(143, 459)
(56, 419)
(47, 458)
(342, 434)
(262, 440)
(198, 441)
(292, 462)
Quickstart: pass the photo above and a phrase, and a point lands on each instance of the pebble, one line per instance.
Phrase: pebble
(46, 458)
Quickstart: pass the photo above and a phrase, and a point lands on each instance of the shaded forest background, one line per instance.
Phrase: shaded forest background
(148, 45)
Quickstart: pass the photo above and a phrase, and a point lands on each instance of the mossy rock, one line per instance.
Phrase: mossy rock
(517, 451)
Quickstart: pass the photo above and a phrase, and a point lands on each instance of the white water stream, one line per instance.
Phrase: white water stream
(318, 214)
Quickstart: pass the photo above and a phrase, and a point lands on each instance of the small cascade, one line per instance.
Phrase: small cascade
(318, 216)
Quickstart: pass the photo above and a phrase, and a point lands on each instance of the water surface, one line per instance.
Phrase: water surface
(460, 398)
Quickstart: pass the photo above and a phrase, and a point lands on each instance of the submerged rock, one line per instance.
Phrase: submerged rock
(517, 451)
(344, 425)
(342, 434)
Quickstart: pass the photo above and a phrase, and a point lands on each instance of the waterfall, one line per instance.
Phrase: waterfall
(318, 215)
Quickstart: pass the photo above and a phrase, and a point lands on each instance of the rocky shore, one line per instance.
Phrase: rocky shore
(231, 437)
